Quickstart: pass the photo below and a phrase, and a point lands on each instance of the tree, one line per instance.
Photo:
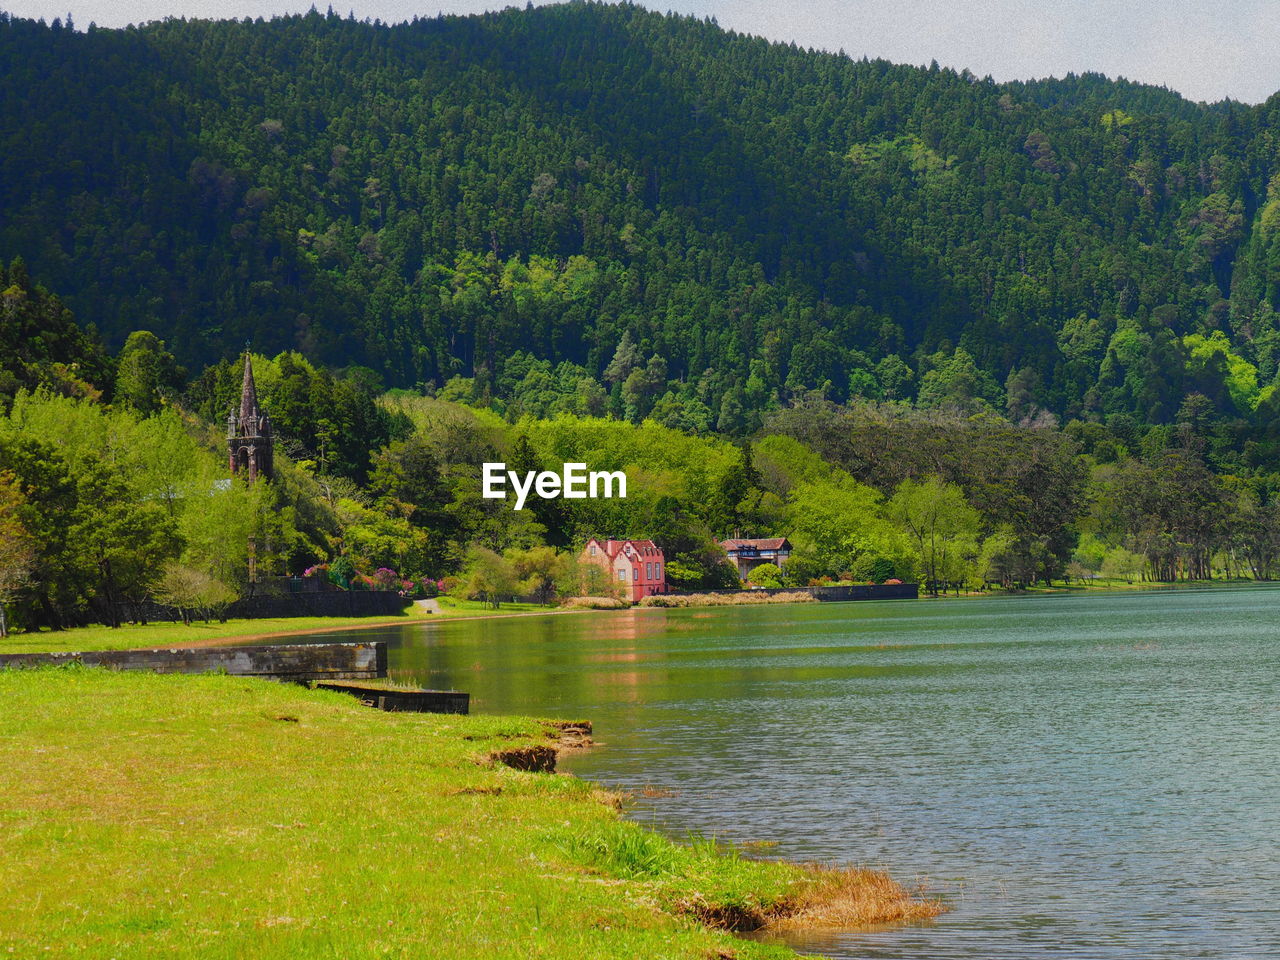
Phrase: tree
(408, 473)
(489, 576)
(41, 344)
(125, 541)
(147, 374)
(585, 579)
(377, 539)
(958, 383)
(625, 359)
(192, 591)
(642, 386)
(50, 510)
(766, 575)
(733, 483)
(17, 551)
(1122, 564)
(1255, 529)
(838, 525)
(541, 572)
(942, 525)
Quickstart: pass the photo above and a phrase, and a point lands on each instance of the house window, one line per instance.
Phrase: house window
(622, 575)
(635, 572)
(657, 571)
(648, 571)
(593, 549)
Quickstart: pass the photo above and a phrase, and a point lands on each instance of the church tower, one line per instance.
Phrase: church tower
(249, 432)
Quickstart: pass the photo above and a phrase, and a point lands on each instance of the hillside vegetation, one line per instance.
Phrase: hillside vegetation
(705, 225)
(924, 325)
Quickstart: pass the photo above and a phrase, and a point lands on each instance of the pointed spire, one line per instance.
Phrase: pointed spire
(248, 393)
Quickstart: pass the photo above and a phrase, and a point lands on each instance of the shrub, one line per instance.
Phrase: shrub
(766, 575)
(193, 591)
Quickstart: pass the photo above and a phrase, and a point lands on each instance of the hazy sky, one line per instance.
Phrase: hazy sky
(1202, 49)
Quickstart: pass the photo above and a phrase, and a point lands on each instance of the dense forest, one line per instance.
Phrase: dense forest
(869, 307)
(114, 489)
(705, 224)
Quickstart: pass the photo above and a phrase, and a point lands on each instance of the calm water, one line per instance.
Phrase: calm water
(1093, 777)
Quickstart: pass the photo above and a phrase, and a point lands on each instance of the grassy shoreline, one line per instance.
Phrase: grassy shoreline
(215, 816)
(135, 636)
(132, 636)
(1099, 586)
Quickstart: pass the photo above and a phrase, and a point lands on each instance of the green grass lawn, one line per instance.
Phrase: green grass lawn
(132, 636)
(1104, 584)
(1097, 585)
(224, 817)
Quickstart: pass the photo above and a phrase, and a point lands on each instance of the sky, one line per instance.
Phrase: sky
(1204, 50)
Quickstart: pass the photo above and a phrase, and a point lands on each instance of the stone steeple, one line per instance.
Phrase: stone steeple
(249, 440)
(248, 392)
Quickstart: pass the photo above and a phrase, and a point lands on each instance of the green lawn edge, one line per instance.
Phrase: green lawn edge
(134, 636)
(211, 816)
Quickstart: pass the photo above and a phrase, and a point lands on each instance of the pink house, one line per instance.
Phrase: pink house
(637, 567)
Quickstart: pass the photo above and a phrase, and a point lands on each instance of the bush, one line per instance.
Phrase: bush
(766, 575)
(193, 591)
(341, 572)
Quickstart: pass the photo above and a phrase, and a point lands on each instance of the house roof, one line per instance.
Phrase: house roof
(614, 547)
(769, 543)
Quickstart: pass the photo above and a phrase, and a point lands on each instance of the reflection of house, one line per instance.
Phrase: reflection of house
(637, 567)
(746, 555)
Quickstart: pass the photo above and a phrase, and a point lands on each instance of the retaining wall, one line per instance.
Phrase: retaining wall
(294, 661)
(331, 603)
(868, 591)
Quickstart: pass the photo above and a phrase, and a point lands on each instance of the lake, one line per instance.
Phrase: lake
(1088, 776)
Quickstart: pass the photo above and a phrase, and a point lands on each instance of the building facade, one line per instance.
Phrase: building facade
(746, 555)
(250, 446)
(636, 567)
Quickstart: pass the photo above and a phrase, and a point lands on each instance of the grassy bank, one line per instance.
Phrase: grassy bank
(132, 636)
(137, 636)
(1097, 585)
(214, 816)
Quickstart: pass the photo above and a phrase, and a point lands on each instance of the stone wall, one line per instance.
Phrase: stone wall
(331, 603)
(300, 661)
(868, 591)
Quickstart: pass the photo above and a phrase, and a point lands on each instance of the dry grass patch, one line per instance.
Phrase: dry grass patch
(739, 599)
(822, 896)
(594, 603)
(852, 897)
(723, 889)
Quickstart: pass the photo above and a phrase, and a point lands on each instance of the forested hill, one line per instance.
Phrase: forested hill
(706, 224)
